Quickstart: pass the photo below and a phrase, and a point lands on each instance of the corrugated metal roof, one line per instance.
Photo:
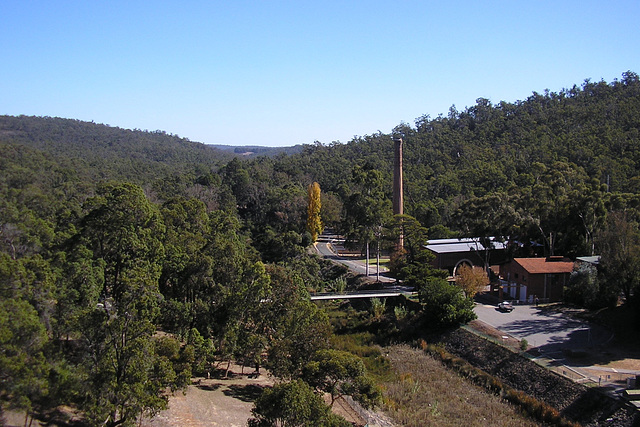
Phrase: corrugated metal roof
(441, 246)
(589, 259)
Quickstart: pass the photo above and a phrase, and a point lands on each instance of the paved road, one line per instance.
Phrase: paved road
(550, 331)
(325, 249)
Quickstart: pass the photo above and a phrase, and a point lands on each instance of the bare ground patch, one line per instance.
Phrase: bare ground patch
(225, 401)
(213, 402)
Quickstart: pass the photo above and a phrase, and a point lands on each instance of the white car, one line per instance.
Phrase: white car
(505, 306)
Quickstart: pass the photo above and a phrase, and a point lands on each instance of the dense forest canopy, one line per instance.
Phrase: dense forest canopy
(109, 235)
(109, 152)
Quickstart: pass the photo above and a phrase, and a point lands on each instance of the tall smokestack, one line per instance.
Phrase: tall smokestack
(398, 195)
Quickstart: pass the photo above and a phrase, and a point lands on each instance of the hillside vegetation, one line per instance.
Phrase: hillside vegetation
(107, 152)
(108, 236)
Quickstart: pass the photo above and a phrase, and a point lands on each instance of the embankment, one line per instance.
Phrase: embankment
(588, 406)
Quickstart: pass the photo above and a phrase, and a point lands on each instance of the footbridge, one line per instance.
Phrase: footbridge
(360, 294)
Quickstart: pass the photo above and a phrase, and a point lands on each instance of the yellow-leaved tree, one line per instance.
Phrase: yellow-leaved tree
(471, 280)
(314, 222)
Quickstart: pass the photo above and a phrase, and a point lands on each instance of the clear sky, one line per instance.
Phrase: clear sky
(280, 73)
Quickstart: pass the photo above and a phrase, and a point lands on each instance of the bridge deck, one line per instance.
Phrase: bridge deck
(317, 297)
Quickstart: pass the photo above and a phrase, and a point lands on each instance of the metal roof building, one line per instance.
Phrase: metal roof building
(451, 253)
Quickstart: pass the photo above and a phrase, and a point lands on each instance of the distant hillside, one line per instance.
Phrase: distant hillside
(254, 150)
(111, 152)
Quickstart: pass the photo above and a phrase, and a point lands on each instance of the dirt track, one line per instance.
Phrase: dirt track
(225, 402)
(213, 402)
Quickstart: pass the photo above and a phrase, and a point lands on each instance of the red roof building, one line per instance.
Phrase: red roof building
(531, 279)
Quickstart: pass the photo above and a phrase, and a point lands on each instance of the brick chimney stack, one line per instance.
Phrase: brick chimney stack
(398, 195)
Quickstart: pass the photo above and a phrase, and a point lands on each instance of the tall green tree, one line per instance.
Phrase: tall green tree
(619, 244)
(444, 304)
(367, 209)
(24, 369)
(341, 373)
(126, 376)
(296, 327)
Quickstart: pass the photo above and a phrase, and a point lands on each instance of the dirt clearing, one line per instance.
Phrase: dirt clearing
(217, 401)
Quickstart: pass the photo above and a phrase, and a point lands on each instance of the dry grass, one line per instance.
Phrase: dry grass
(425, 393)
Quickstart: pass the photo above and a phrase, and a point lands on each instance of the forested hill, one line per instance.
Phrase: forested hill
(547, 168)
(109, 235)
(257, 151)
(532, 167)
(488, 146)
(107, 152)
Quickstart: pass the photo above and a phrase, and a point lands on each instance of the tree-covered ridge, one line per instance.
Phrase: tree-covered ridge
(250, 151)
(111, 152)
(552, 155)
(108, 236)
(488, 146)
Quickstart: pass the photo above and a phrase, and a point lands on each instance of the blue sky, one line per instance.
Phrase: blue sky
(281, 73)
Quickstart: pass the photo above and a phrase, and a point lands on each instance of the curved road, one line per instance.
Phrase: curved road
(325, 249)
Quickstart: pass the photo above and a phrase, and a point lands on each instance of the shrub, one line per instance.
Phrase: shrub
(378, 307)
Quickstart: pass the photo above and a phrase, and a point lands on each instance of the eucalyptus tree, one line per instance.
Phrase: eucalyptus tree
(24, 370)
(367, 209)
(341, 373)
(293, 404)
(126, 375)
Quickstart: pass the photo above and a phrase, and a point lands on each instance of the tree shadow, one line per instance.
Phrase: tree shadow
(545, 325)
(223, 374)
(208, 387)
(246, 393)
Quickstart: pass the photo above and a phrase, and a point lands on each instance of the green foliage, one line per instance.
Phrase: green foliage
(127, 371)
(366, 209)
(23, 368)
(412, 261)
(444, 304)
(362, 345)
(619, 243)
(583, 288)
(91, 268)
(338, 285)
(301, 332)
(341, 373)
(378, 307)
(105, 152)
(400, 312)
(293, 404)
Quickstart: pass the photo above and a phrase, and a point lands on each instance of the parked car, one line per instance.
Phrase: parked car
(505, 306)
